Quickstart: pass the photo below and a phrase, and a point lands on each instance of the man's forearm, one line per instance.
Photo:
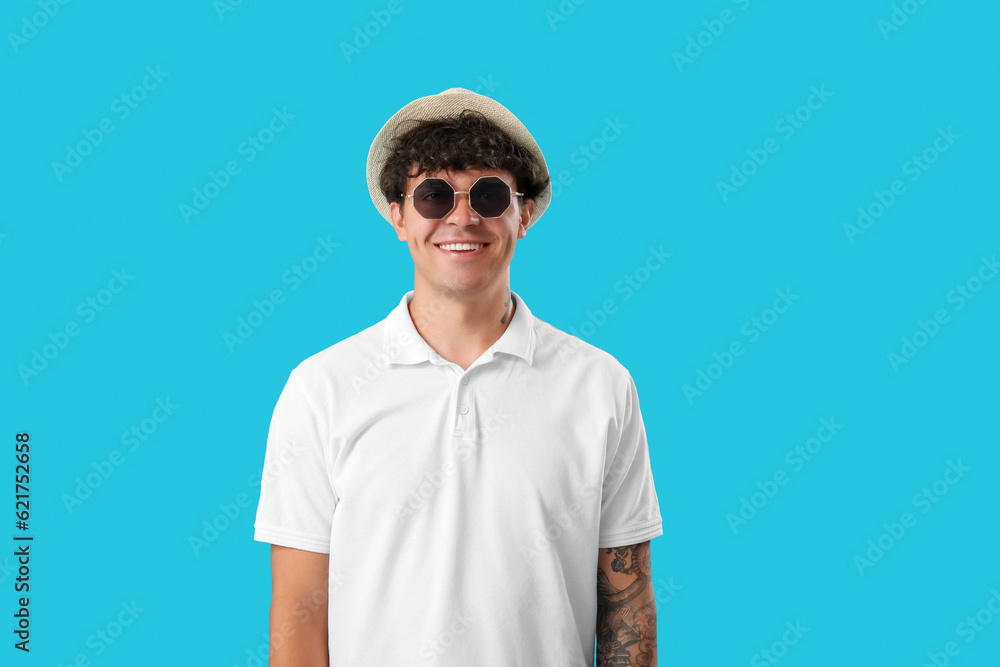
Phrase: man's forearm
(299, 608)
(298, 635)
(626, 608)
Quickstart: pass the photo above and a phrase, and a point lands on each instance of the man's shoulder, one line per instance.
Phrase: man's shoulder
(568, 352)
(344, 356)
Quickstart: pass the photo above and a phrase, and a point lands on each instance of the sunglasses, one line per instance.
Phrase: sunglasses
(489, 196)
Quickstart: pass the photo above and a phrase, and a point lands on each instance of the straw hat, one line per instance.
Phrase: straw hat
(449, 103)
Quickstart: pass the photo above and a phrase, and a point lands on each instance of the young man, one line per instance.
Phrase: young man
(460, 483)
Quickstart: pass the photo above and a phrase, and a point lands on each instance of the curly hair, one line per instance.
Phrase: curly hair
(458, 143)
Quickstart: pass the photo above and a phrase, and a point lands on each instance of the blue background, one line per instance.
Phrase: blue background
(724, 594)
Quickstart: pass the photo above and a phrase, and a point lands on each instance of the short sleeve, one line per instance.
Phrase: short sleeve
(630, 512)
(296, 499)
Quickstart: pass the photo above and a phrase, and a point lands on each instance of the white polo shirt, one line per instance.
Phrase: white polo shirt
(462, 510)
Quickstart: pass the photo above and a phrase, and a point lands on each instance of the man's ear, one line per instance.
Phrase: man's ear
(396, 213)
(527, 208)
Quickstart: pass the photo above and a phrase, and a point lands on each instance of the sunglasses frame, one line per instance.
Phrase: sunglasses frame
(455, 193)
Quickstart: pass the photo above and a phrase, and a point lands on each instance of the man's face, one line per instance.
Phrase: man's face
(455, 271)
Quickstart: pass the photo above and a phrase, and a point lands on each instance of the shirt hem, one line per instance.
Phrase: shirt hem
(290, 539)
(633, 535)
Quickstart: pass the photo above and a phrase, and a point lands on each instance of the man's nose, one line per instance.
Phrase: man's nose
(463, 211)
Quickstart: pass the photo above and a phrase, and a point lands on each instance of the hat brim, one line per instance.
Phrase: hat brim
(443, 105)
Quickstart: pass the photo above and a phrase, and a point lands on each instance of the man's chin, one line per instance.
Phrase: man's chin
(461, 288)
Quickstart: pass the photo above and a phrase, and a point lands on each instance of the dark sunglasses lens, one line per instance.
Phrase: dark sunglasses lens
(433, 198)
(490, 197)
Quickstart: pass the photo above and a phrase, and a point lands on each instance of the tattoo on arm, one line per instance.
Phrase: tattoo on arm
(626, 607)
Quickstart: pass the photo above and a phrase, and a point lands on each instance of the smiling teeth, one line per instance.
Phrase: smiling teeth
(461, 246)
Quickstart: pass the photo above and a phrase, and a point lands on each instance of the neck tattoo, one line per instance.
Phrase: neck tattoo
(506, 310)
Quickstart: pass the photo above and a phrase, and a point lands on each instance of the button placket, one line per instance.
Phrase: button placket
(458, 428)
(464, 425)
(463, 406)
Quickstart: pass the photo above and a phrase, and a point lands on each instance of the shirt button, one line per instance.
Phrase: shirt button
(465, 380)
(464, 409)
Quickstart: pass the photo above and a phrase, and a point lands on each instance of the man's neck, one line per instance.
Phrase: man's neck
(460, 327)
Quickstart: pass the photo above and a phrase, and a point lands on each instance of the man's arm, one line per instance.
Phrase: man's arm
(626, 607)
(299, 608)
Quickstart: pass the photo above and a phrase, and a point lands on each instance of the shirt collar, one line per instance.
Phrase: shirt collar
(403, 345)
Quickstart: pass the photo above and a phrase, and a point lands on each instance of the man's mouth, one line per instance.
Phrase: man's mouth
(461, 247)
